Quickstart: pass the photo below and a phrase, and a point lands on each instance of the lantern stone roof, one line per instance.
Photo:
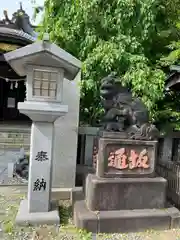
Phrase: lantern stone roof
(173, 80)
(43, 53)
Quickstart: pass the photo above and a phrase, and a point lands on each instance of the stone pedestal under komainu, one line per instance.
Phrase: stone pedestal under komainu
(125, 194)
(125, 197)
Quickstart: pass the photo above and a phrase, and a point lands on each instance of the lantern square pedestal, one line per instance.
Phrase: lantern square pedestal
(24, 217)
(38, 209)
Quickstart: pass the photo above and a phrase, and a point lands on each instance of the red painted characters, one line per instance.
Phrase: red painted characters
(121, 160)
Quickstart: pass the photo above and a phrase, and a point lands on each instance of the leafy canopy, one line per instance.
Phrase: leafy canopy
(125, 36)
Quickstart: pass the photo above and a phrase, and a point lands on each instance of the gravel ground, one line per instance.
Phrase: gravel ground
(9, 202)
(15, 180)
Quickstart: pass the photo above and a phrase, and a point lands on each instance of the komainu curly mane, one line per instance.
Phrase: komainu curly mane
(123, 113)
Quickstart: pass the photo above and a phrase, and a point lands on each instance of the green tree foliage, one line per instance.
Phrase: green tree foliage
(174, 46)
(174, 56)
(125, 36)
(168, 112)
(168, 108)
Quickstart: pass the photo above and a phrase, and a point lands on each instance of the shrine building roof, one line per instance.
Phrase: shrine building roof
(173, 80)
(15, 33)
(18, 29)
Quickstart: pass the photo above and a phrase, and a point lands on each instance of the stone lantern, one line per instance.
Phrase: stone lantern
(46, 67)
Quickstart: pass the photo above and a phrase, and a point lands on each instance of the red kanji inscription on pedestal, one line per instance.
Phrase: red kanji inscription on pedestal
(119, 159)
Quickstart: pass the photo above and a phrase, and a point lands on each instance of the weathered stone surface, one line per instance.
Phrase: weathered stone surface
(66, 134)
(124, 193)
(24, 217)
(85, 219)
(77, 194)
(133, 220)
(39, 187)
(175, 216)
(123, 220)
(125, 158)
(116, 135)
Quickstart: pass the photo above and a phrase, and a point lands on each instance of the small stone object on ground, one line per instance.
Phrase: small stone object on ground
(10, 170)
(93, 236)
(22, 167)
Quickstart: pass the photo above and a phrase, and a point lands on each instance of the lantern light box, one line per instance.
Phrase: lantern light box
(44, 84)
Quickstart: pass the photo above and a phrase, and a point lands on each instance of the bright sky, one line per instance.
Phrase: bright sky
(12, 5)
